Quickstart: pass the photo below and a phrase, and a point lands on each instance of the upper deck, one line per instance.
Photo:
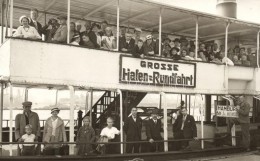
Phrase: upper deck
(29, 63)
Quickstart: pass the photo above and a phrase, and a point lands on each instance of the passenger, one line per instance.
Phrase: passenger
(86, 134)
(242, 52)
(108, 134)
(50, 29)
(236, 61)
(231, 53)
(213, 59)
(236, 51)
(153, 132)
(184, 54)
(149, 46)
(138, 50)
(73, 30)
(123, 31)
(54, 131)
(34, 23)
(26, 31)
(94, 36)
(243, 109)
(28, 137)
(78, 27)
(184, 42)
(208, 51)
(75, 40)
(215, 48)
(27, 117)
(108, 42)
(60, 35)
(133, 129)
(191, 55)
(166, 51)
(184, 128)
(137, 36)
(201, 56)
(224, 59)
(253, 59)
(104, 25)
(177, 43)
(86, 41)
(174, 53)
(155, 37)
(127, 43)
(87, 27)
(244, 60)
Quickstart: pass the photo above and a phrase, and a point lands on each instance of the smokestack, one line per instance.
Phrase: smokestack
(227, 8)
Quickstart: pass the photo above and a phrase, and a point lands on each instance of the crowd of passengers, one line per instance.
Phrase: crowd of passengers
(100, 36)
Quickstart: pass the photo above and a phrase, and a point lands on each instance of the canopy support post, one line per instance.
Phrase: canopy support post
(160, 32)
(117, 26)
(233, 135)
(226, 40)
(165, 123)
(121, 121)
(56, 99)
(1, 115)
(91, 105)
(86, 105)
(257, 48)
(2, 22)
(26, 92)
(72, 105)
(11, 119)
(197, 38)
(68, 22)
(11, 17)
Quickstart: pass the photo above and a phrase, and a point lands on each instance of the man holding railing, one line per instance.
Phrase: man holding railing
(26, 118)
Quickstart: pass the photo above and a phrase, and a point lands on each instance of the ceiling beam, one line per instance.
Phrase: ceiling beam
(221, 34)
(98, 9)
(47, 8)
(139, 14)
(200, 27)
(170, 22)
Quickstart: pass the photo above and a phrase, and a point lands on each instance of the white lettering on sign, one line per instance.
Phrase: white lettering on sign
(226, 111)
(157, 72)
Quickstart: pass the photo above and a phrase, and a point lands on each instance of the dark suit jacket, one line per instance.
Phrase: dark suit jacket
(137, 52)
(123, 44)
(189, 129)
(93, 39)
(39, 27)
(133, 129)
(153, 131)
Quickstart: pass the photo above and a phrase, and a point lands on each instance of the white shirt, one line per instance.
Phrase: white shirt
(229, 62)
(110, 132)
(183, 120)
(30, 32)
(134, 118)
(109, 42)
(54, 124)
(27, 139)
(74, 43)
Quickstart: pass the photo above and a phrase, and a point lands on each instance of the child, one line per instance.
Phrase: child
(108, 135)
(27, 149)
(86, 134)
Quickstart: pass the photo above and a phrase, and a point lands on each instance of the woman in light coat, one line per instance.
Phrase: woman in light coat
(54, 131)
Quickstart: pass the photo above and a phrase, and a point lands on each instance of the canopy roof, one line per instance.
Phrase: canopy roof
(143, 14)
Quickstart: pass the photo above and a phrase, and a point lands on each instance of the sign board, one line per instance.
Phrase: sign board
(157, 72)
(226, 111)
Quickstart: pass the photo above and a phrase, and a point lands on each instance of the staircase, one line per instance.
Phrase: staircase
(109, 105)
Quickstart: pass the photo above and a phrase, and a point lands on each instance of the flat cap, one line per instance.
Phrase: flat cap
(27, 103)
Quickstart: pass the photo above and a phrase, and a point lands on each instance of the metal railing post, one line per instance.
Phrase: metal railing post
(1, 115)
(72, 105)
(68, 23)
(197, 38)
(121, 121)
(11, 119)
(226, 40)
(160, 31)
(165, 123)
(11, 17)
(117, 26)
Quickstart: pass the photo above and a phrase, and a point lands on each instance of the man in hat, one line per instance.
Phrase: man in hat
(133, 129)
(155, 37)
(127, 43)
(34, 23)
(184, 128)
(60, 35)
(25, 118)
(50, 29)
(153, 132)
(243, 109)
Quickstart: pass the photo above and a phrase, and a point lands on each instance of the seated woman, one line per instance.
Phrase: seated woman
(26, 31)
(54, 131)
(184, 54)
(138, 50)
(107, 40)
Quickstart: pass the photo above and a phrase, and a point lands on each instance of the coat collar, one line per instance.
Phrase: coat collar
(59, 121)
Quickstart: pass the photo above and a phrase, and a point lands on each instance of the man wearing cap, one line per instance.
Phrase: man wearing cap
(243, 109)
(25, 118)
(34, 23)
(153, 132)
(184, 127)
(60, 35)
(133, 129)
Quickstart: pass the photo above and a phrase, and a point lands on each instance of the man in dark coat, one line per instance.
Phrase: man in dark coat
(184, 128)
(133, 129)
(127, 43)
(34, 23)
(153, 132)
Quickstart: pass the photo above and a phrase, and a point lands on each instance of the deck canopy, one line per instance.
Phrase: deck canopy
(143, 14)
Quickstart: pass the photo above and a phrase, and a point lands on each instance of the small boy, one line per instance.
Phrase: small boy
(27, 149)
(108, 135)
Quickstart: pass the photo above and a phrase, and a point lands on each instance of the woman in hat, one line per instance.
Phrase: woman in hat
(75, 40)
(25, 30)
(54, 131)
(149, 46)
